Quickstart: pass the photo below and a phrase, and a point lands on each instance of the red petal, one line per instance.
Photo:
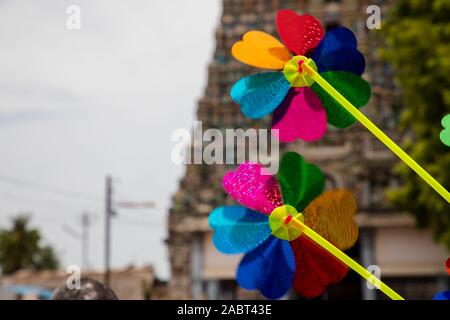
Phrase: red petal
(315, 268)
(300, 33)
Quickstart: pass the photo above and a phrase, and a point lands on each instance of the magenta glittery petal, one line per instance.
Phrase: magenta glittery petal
(252, 189)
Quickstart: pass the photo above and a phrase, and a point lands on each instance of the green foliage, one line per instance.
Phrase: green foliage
(418, 47)
(20, 249)
(45, 259)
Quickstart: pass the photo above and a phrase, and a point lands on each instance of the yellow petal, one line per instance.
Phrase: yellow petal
(261, 50)
(331, 215)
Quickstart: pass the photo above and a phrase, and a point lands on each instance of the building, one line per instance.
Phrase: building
(352, 158)
(128, 283)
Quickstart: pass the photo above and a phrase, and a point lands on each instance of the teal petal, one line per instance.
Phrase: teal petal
(260, 94)
(238, 229)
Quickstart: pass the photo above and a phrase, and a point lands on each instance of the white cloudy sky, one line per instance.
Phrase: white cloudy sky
(77, 105)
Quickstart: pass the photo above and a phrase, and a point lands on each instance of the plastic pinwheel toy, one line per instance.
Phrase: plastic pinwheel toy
(291, 232)
(316, 80)
(301, 107)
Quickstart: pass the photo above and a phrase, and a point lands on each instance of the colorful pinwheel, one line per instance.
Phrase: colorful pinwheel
(444, 295)
(277, 255)
(301, 108)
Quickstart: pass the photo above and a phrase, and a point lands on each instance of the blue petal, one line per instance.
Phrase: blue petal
(335, 39)
(260, 94)
(443, 295)
(337, 51)
(238, 229)
(269, 268)
(345, 59)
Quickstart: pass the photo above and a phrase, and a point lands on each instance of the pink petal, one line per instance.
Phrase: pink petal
(301, 115)
(252, 189)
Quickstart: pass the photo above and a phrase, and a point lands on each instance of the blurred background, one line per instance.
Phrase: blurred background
(86, 117)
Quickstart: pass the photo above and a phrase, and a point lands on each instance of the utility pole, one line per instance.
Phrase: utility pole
(108, 214)
(85, 240)
(82, 236)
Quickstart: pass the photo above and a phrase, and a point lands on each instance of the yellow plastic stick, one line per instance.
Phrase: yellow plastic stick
(317, 238)
(377, 132)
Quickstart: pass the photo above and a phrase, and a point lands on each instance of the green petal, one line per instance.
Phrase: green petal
(299, 180)
(352, 87)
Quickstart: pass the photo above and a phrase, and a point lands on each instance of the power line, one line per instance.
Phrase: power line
(47, 189)
(40, 202)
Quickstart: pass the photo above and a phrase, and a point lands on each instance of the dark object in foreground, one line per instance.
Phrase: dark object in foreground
(90, 289)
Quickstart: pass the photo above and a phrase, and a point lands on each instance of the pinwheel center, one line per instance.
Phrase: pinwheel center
(280, 222)
(288, 219)
(293, 72)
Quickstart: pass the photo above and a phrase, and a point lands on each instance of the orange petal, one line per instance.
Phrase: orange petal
(261, 50)
(331, 215)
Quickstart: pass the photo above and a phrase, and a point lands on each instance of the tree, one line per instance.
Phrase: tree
(45, 259)
(418, 47)
(20, 249)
